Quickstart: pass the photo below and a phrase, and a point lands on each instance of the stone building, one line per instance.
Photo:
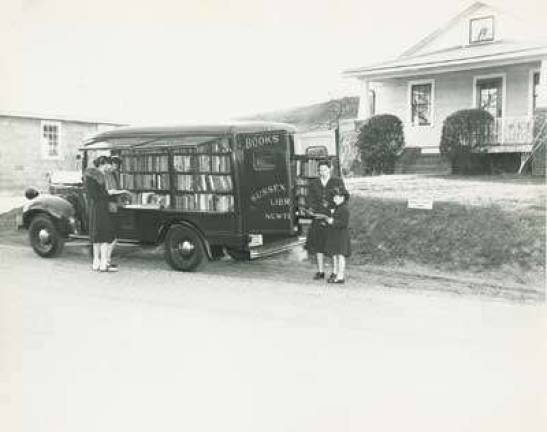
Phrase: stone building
(33, 146)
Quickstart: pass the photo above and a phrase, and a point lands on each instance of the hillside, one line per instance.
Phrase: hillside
(315, 116)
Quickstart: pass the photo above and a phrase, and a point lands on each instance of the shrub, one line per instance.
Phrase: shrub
(380, 141)
(465, 135)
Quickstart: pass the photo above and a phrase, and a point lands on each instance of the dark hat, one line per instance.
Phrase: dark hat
(323, 162)
(101, 160)
(340, 191)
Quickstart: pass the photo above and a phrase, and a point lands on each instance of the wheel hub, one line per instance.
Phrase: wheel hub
(44, 236)
(186, 247)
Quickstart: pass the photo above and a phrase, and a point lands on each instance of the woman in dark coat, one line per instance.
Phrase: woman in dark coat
(320, 198)
(101, 227)
(338, 242)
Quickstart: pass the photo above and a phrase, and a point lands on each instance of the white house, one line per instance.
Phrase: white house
(481, 58)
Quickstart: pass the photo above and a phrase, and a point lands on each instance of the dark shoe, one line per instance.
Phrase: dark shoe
(338, 281)
(331, 278)
(319, 275)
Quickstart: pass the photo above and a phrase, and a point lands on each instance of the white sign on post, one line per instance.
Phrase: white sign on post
(420, 203)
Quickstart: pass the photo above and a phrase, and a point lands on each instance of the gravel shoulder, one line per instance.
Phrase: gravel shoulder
(295, 267)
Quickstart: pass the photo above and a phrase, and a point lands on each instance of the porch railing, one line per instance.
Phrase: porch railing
(513, 130)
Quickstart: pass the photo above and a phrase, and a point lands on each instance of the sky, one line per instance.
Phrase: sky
(184, 61)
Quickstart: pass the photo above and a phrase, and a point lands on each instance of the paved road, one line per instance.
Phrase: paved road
(244, 348)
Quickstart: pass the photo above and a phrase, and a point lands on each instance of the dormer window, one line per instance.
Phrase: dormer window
(481, 30)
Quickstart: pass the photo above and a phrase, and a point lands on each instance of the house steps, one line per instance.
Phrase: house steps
(413, 161)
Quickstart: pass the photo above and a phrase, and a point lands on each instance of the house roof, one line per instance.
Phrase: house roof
(428, 55)
(56, 117)
(455, 58)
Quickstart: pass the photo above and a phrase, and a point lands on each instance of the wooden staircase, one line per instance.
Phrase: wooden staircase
(413, 161)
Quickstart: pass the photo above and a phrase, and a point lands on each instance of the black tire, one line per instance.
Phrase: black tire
(44, 237)
(184, 250)
(238, 254)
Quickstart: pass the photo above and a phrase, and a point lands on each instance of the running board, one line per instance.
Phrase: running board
(75, 237)
(276, 247)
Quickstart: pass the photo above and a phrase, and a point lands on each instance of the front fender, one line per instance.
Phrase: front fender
(53, 205)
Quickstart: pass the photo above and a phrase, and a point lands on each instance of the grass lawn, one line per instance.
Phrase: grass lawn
(488, 225)
(509, 192)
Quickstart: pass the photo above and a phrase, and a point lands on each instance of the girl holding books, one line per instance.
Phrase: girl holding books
(338, 244)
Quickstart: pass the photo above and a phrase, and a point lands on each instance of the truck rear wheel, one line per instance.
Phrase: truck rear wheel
(44, 237)
(184, 250)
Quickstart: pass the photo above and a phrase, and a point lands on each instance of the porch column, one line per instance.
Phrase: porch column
(541, 102)
(364, 100)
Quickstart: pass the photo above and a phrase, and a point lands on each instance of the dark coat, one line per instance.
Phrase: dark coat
(101, 225)
(338, 241)
(320, 201)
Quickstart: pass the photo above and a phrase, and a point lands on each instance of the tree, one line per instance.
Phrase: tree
(381, 140)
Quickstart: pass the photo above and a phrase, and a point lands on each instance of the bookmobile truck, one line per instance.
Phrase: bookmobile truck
(202, 191)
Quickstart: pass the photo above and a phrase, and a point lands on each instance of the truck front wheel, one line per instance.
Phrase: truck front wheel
(184, 250)
(44, 237)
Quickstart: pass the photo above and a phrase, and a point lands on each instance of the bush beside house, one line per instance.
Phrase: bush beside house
(465, 136)
(380, 140)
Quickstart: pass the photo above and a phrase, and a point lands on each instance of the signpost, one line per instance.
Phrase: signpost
(420, 203)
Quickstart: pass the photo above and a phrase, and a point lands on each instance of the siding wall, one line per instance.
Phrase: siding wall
(21, 161)
(452, 92)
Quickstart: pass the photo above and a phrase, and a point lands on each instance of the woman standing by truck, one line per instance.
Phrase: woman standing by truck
(321, 195)
(101, 226)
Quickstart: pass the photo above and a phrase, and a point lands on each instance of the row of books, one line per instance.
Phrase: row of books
(204, 163)
(151, 199)
(309, 168)
(204, 183)
(145, 162)
(205, 202)
(302, 191)
(144, 181)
